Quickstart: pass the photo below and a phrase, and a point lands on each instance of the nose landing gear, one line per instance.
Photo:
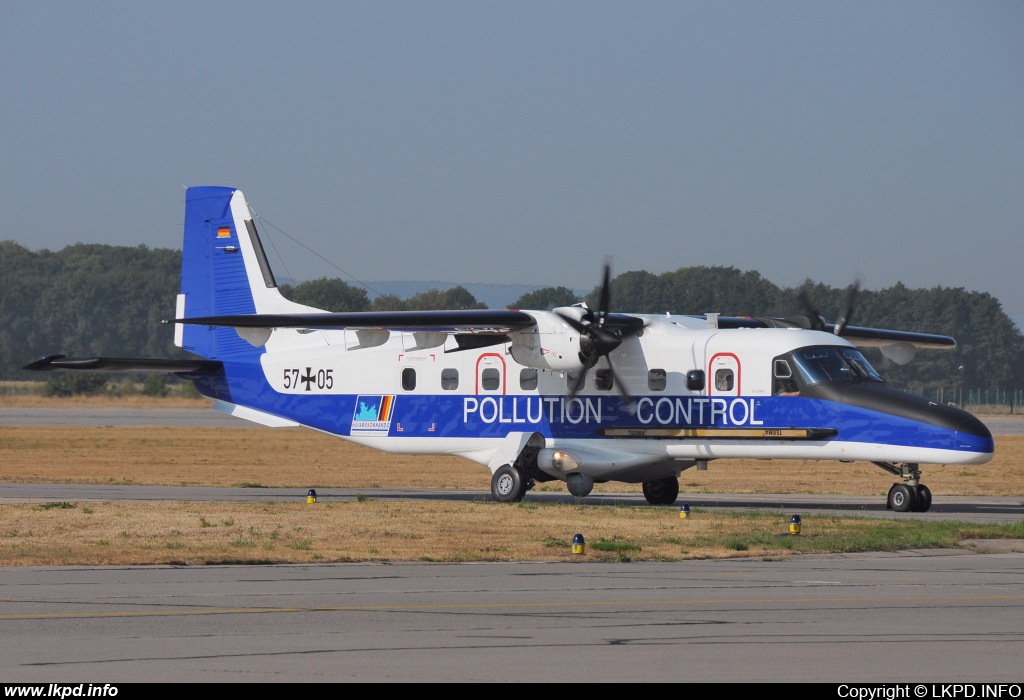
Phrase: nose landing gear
(913, 496)
(902, 498)
(924, 499)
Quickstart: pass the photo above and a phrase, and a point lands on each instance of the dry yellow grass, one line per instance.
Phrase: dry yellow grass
(286, 457)
(299, 458)
(211, 533)
(195, 533)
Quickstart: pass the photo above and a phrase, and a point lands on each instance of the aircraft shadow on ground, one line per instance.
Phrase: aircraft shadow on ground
(698, 501)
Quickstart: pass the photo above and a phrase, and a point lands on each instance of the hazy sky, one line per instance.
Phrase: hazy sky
(523, 142)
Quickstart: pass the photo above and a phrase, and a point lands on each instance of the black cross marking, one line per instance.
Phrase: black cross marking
(309, 378)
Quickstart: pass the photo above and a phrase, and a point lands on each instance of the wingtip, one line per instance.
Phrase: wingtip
(43, 364)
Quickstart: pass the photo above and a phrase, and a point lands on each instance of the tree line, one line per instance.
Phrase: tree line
(88, 300)
(332, 294)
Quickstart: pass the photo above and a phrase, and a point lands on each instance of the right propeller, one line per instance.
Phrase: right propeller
(597, 339)
(851, 297)
(817, 321)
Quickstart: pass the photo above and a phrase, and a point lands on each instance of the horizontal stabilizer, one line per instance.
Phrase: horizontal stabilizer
(478, 320)
(123, 364)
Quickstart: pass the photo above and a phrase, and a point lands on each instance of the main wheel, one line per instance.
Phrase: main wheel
(662, 492)
(507, 485)
(902, 498)
(924, 499)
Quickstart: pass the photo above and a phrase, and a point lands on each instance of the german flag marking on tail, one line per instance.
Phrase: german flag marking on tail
(224, 232)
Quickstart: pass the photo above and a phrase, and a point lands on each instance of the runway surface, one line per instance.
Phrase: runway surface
(208, 418)
(927, 617)
(981, 509)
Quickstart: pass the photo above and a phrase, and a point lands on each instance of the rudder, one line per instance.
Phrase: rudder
(219, 244)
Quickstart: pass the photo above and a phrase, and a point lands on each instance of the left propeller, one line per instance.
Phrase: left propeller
(598, 339)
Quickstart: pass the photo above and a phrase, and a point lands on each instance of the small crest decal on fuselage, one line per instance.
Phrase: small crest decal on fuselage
(372, 416)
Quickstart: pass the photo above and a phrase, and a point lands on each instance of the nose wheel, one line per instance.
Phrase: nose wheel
(910, 497)
(924, 499)
(902, 498)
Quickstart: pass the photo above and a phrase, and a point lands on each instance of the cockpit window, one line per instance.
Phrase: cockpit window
(824, 364)
(784, 383)
(861, 364)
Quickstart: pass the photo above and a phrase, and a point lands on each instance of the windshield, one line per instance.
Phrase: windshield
(823, 364)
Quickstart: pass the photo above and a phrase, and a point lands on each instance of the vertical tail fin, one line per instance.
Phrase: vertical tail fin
(224, 270)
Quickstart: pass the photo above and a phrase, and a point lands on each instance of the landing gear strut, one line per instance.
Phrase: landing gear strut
(913, 496)
(663, 492)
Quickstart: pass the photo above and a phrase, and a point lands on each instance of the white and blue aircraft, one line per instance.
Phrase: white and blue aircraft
(573, 394)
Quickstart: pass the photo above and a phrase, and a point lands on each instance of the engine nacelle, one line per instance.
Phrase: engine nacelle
(602, 463)
(551, 344)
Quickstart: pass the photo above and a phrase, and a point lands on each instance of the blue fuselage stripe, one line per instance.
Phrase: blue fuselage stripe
(451, 415)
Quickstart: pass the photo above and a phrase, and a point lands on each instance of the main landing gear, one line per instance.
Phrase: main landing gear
(913, 496)
(662, 492)
(509, 485)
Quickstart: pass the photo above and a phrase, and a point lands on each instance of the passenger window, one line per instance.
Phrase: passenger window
(490, 379)
(408, 379)
(603, 379)
(724, 380)
(528, 379)
(656, 380)
(449, 379)
(575, 380)
(695, 380)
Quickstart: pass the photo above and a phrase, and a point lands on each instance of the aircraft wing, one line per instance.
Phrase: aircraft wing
(498, 321)
(858, 335)
(880, 337)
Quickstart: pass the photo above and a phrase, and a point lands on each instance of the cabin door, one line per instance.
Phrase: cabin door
(490, 374)
(724, 375)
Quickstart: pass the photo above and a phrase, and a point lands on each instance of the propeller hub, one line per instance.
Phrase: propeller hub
(595, 343)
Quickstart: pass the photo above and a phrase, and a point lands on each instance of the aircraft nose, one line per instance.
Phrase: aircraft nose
(972, 434)
(972, 425)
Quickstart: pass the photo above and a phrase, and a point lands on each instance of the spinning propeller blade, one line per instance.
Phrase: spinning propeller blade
(818, 321)
(597, 341)
(851, 297)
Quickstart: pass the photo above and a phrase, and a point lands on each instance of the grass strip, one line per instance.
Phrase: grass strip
(220, 533)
